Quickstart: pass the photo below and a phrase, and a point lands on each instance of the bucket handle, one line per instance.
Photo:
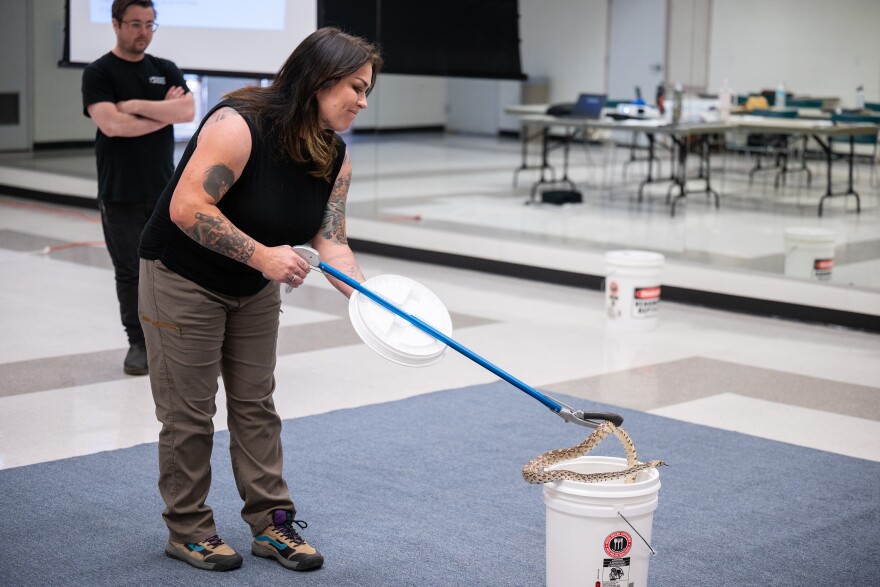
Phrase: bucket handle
(536, 471)
(648, 544)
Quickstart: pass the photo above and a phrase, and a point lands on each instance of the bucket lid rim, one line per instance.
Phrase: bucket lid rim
(651, 484)
(811, 233)
(627, 257)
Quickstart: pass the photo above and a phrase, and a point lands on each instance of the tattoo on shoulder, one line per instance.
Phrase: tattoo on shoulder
(218, 179)
(225, 112)
(219, 235)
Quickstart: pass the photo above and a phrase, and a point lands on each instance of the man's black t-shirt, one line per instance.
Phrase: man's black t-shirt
(132, 169)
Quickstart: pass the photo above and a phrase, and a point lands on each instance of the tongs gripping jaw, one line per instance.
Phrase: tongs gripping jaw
(589, 419)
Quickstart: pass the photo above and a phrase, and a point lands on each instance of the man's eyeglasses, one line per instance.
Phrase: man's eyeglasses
(138, 26)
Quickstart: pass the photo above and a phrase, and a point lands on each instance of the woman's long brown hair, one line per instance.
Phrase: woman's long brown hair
(289, 108)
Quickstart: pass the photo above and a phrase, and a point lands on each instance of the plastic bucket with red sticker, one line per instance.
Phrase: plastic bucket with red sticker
(600, 533)
(809, 253)
(632, 289)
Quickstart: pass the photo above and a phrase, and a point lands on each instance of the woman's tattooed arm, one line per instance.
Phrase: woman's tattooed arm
(331, 240)
(219, 235)
(218, 179)
(333, 227)
(216, 232)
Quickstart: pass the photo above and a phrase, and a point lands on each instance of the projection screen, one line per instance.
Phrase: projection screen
(221, 37)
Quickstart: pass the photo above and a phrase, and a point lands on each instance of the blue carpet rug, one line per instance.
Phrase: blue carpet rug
(428, 491)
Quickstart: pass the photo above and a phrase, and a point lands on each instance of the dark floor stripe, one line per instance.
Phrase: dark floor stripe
(66, 371)
(665, 384)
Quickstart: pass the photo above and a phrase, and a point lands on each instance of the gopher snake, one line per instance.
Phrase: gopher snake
(536, 471)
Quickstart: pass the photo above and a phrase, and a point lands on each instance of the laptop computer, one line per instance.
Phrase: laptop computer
(589, 106)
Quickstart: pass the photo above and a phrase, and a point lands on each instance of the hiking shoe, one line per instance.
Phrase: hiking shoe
(136, 360)
(211, 554)
(281, 542)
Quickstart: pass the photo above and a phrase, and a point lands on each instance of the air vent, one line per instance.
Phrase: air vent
(9, 108)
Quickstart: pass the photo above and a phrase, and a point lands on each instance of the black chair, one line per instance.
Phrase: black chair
(771, 96)
(780, 147)
(841, 144)
(804, 103)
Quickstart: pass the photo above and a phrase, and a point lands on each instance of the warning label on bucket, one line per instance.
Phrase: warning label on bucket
(611, 301)
(646, 302)
(615, 572)
(822, 269)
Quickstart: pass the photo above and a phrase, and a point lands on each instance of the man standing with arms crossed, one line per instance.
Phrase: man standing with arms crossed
(134, 99)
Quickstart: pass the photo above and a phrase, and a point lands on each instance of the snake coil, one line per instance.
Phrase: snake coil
(536, 471)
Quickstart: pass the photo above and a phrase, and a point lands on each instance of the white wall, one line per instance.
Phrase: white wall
(637, 43)
(15, 63)
(57, 90)
(566, 42)
(687, 43)
(477, 105)
(815, 47)
(401, 101)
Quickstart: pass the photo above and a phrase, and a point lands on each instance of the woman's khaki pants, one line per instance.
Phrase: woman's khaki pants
(194, 335)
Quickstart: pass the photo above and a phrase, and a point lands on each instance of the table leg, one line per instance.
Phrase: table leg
(544, 154)
(524, 164)
(681, 179)
(565, 150)
(650, 178)
(850, 190)
(707, 153)
(829, 158)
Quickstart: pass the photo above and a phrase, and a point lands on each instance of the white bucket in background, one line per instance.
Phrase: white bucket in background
(632, 289)
(588, 542)
(809, 253)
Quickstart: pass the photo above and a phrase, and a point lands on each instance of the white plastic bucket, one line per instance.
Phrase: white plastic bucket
(809, 253)
(632, 289)
(588, 542)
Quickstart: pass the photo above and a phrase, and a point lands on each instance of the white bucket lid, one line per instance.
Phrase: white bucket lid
(634, 258)
(806, 234)
(394, 337)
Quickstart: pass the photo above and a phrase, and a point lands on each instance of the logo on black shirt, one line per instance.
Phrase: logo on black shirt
(157, 79)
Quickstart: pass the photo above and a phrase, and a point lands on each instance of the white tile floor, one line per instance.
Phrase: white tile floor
(59, 308)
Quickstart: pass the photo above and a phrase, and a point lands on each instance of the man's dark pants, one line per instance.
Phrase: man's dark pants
(123, 224)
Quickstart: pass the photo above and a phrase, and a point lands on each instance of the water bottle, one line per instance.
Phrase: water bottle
(676, 104)
(724, 102)
(860, 98)
(780, 96)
